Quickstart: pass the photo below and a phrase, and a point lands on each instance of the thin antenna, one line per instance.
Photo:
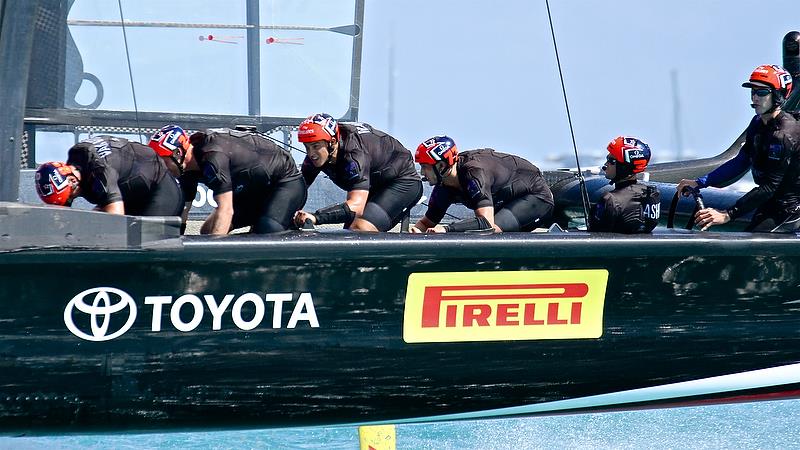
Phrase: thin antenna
(676, 116)
(390, 94)
(582, 181)
(130, 71)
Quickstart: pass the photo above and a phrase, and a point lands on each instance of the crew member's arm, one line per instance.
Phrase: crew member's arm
(437, 207)
(309, 175)
(723, 175)
(422, 225)
(603, 214)
(356, 201)
(478, 192)
(220, 220)
(114, 208)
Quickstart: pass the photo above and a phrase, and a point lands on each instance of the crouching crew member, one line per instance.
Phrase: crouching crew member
(632, 207)
(771, 151)
(374, 168)
(506, 192)
(119, 176)
(255, 182)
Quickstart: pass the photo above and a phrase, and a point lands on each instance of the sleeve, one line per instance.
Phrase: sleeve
(216, 167)
(603, 214)
(105, 183)
(438, 204)
(729, 172)
(188, 182)
(478, 189)
(772, 180)
(309, 171)
(355, 170)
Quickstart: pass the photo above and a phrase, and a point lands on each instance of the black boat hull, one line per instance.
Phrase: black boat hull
(678, 306)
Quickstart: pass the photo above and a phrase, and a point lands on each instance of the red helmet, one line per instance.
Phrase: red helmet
(772, 77)
(630, 152)
(172, 141)
(435, 149)
(53, 183)
(319, 127)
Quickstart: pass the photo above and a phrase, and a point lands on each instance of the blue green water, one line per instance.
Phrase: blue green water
(747, 425)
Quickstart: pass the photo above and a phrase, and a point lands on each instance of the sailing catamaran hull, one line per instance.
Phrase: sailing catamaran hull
(677, 307)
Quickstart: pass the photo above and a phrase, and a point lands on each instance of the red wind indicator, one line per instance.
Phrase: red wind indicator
(293, 41)
(221, 39)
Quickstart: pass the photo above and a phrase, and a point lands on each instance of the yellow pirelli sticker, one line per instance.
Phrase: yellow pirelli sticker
(500, 306)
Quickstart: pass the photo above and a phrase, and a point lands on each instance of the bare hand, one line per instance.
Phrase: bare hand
(710, 216)
(437, 229)
(301, 216)
(414, 230)
(684, 184)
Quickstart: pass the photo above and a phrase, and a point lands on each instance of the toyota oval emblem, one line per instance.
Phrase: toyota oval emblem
(99, 308)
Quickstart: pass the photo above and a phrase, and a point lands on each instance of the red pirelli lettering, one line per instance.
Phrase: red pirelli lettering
(478, 314)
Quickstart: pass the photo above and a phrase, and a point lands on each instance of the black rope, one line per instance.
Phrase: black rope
(130, 71)
(584, 192)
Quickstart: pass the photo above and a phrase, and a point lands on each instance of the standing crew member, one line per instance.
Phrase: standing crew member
(632, 207)
(771, 151)
(255, 182)
(506, 192)
(374, 168)
(119, 176)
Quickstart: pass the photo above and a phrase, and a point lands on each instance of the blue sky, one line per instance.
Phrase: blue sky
(484, 73)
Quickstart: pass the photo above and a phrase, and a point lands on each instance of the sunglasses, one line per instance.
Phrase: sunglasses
(761, 92)
(611, 161)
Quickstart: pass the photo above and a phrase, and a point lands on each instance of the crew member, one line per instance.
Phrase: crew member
(255, 182)
(119, 176)
(771, 151)
(506, 192)
(632, 207)
(374, 168)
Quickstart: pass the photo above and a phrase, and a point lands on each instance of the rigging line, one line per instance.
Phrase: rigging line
(130, 72)
(581, 180)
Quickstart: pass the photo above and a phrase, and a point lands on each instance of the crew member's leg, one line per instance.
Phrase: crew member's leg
(166, 199)
(280, 206)
(386, 207)
(524, 214)
(777, 219)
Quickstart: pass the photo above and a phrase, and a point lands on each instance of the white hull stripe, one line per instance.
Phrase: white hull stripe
(775, 376)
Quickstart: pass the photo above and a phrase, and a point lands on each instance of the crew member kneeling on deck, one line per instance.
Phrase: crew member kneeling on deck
(255, 182)
(118, 176)
(632, 207)
(506, 192)
(772, 151)
(374, 168)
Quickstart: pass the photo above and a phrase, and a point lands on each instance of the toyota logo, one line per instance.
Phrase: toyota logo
(99, 309)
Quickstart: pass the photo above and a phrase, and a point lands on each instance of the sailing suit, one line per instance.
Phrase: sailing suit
(114, 169)
(630, 208)
(772, 152)
(267, 187)
(515, 188)
(371, 160)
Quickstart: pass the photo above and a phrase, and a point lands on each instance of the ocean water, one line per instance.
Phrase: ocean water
(761, 425)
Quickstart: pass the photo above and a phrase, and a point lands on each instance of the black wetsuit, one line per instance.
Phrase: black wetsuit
(515, 188)
(114, 169)
(371, 160)
(772, 152)
(630, 208)
(267, 187)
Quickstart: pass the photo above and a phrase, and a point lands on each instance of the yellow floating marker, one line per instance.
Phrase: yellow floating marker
(377, 437)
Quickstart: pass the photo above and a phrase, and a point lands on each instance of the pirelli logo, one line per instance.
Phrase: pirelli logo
(499, 306)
